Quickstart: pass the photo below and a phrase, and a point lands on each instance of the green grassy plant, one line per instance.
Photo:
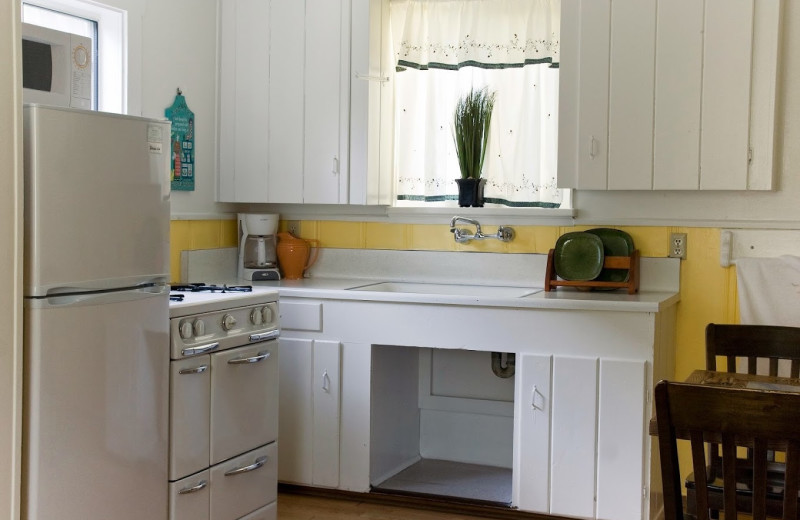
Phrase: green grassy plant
(471, 120)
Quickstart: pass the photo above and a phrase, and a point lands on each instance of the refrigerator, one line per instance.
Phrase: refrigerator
(96, 338)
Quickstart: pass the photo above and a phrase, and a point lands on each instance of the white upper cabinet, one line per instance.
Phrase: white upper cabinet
(288, 101)
(668, 94)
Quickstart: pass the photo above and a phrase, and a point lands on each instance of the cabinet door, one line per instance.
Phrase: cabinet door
(326, 397)
(295, 410)
(244, 101)
(326, 103)
(532, 403)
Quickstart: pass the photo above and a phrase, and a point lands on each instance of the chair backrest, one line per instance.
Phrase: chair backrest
(756, 419)
(753, 342)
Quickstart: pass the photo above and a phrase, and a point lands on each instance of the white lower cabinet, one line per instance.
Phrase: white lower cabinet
(309, 411)
(580, 436)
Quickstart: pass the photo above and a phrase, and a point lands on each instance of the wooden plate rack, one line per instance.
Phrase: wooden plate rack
(631, 263)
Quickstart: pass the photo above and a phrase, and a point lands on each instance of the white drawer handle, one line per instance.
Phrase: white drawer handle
(196, 370)
(194, 489)
(254, 466)
(255, 359)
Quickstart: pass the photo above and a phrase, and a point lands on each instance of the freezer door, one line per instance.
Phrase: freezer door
(96, 199)
(95, 407)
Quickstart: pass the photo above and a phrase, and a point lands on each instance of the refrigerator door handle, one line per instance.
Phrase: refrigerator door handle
(200, 349)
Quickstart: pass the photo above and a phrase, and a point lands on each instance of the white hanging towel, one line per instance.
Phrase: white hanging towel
(769, 290)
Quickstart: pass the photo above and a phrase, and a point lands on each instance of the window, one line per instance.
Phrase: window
(106, 26)
(444, 48)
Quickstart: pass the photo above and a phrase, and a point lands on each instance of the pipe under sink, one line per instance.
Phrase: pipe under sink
(496, 291)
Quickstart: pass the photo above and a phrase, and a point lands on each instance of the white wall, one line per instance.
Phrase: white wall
(174, 44)
(10, 264)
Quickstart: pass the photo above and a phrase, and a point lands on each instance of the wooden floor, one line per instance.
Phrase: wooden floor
(304, 507)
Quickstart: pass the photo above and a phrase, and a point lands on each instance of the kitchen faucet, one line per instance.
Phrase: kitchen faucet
(461, 235)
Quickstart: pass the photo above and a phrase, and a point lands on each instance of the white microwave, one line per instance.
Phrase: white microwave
(57, 68)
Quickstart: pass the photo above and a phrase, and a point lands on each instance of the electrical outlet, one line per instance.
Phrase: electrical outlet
(293, 227)
(677, 245)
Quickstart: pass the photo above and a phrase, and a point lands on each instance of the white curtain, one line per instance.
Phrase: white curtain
(446, 47)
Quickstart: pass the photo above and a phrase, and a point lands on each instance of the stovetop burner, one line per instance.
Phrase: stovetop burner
(201, 287)
(176, 297)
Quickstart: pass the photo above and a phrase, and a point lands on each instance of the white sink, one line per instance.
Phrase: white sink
(449, 289)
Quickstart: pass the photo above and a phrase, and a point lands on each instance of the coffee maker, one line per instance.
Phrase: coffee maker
(257, 241)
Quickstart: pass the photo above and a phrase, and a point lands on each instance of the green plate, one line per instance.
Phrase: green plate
(578, 256)
(615, 243)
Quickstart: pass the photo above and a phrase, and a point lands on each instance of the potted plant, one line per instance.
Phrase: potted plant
(471, 120)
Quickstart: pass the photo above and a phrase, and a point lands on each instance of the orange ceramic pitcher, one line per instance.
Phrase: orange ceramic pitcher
(294, 255)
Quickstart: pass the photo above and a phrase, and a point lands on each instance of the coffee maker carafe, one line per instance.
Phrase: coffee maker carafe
(257, 258)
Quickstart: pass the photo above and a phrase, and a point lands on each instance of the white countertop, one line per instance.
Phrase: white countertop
(339, 270)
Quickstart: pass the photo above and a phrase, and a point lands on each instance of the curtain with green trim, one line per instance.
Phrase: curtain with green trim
(444, 48)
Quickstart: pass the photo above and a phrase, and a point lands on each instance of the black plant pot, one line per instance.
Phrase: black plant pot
(470, 192)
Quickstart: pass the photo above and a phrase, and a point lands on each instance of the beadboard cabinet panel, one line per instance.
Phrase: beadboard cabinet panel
(668, 95)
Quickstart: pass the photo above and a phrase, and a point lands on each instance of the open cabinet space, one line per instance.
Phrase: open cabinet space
(441, 424)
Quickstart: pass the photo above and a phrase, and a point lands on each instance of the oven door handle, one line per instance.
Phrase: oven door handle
(255, 359)
(194, 489)
(264, 336)
(254, 466)
(196, 370)
(200, 349)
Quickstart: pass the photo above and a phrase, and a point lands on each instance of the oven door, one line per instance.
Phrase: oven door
(244, 399)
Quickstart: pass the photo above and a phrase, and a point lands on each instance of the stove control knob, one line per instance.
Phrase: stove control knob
(267, 314)
(199, 327)
(186, 329)
(255, 317)
(228, 322)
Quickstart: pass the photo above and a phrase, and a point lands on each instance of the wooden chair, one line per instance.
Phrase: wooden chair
(756, 419)
(750, 343)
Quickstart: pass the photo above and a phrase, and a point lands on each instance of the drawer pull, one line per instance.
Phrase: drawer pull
(255, 359)
(196, 370)
(194, 489)
(264, 336)
(200, 349)
(254, 466)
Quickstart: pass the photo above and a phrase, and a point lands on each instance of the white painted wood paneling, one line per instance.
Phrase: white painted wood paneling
(466, 437)
(725, 116)
(593, 84)
(620, 438)
(295, 417)
(569, 94)
(574, 433)
(321, 159)
(252, 100)
(226, 179)
(533, 408)
(286, 77)
(326, 379)
(678, 93)
(764, 92)
(355, 409)
(630, 118)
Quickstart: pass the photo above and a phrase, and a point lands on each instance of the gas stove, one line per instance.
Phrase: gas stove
(194, 298)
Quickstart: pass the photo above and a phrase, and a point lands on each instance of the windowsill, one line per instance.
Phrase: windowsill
(417, 215)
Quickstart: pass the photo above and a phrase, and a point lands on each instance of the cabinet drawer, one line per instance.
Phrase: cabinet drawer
(189, 497)
(301, 316)
(190, 397)
(244, 484)
(244, 399)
